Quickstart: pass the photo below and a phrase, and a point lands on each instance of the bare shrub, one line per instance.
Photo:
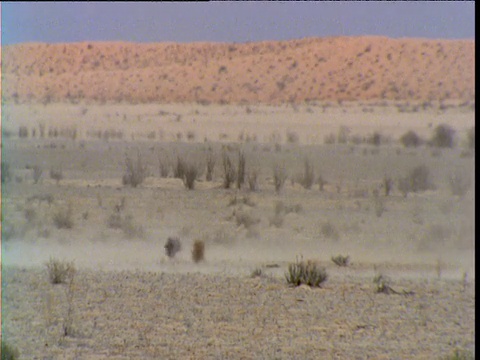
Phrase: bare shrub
(229, 172)
(443, 136)
(279, 177)
(63, 218)
(410, 139)
(60, 272)
(305, 272)
(211, 160)
(172, 246)
(241, 169)
(198, 251)
(418, 179)
(135, 173)
(341, 260)
(56, 174)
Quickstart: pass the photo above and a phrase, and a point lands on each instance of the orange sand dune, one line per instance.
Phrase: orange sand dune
(335, 68)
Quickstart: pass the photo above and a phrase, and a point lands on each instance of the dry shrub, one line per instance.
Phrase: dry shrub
(411, 139)
(241, 169)
(56, 174)
(198, 251)
(308, 175)
(292, 137)
(191, 171)
(418, 179)
(442, 136)
(172, 246)
(211, 160)
(63, 218)
(229, 172)
(329, 231)
(9, 352)
(37, 173)
(279, 177)
(341, 260)
(253, 180)
(305, 272)
(246, 219)
(60, 272)
(459, 184)
(135, 173)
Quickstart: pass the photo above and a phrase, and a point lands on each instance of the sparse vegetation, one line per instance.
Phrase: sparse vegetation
(190, 175)
(6, 172)
(37, 173)
(305, 272)
(211, 160)
(459, 354)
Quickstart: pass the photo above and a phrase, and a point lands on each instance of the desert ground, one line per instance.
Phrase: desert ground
(128, 300)
(321, 125)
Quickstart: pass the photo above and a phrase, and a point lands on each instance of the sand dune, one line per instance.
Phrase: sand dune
(335, 68)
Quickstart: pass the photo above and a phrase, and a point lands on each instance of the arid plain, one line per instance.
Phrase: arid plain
(68, 127)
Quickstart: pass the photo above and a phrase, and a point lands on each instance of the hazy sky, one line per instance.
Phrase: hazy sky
(232, 21)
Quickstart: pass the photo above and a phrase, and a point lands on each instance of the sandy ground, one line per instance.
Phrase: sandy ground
(296, 71)
(128, 300)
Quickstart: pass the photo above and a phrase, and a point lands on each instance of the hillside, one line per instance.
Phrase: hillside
(336, 68)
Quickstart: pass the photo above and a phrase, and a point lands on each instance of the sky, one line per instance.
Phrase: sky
(225, 21)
